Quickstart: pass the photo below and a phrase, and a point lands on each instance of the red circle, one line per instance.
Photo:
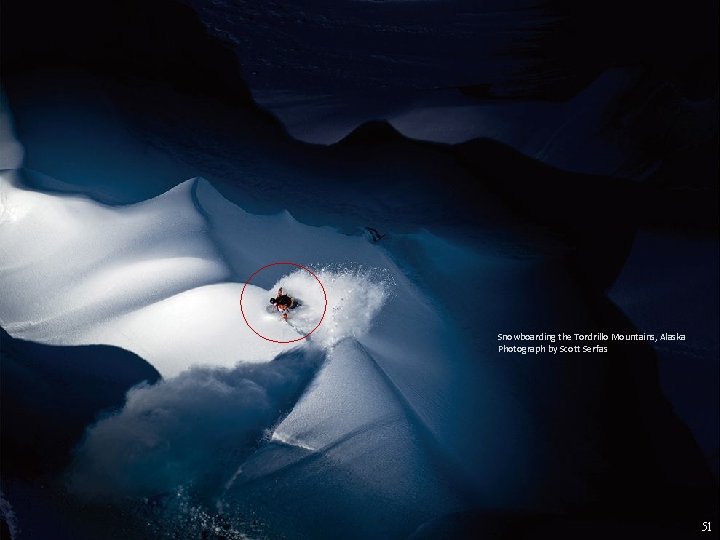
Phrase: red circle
(275, 264)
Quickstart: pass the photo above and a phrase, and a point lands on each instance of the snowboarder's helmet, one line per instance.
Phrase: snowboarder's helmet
(272, 300)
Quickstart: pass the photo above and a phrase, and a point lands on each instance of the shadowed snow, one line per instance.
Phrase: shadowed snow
(188, 430)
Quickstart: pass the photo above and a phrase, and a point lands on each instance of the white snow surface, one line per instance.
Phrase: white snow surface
(163, 278)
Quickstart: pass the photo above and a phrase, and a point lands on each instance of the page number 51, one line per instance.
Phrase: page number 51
(706, 526)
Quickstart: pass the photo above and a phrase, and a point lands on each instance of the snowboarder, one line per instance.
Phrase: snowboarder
(283, 303)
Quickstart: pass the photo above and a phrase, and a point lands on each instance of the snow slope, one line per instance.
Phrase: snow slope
(163, 278)
(394, 399)
(397, 410)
